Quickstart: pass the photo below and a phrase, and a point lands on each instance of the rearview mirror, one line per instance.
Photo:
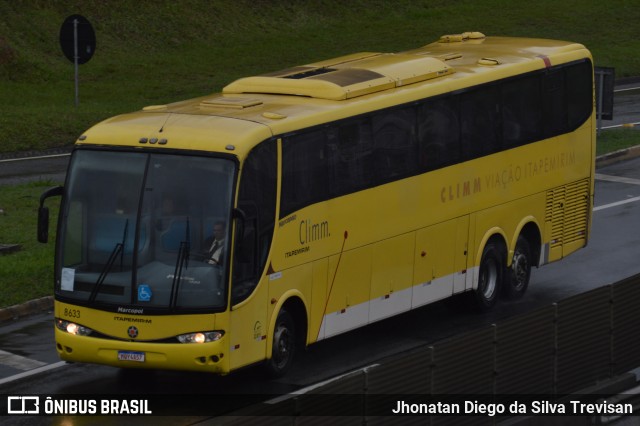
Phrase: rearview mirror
(43, 213)
(43, 224)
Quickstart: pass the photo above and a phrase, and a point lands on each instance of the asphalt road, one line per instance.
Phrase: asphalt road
(626, 106)
(47, 167)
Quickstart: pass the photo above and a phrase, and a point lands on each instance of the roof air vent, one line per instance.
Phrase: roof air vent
(457, 38)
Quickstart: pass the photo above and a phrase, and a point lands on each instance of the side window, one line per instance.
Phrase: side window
(579, 92)
(305, 171)
(351, 156)
(257, 201)
(555, 105)
(521, 106)
(479, 129)
(395, 144)
(438, 133)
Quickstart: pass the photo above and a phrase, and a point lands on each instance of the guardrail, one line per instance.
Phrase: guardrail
(551, 352)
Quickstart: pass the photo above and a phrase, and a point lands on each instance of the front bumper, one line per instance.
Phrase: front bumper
(209, 357)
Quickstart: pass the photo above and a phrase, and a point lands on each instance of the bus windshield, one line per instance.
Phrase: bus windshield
(145, 230)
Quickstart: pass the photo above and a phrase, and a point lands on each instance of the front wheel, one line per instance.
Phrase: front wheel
(284, 346)
(520, 270)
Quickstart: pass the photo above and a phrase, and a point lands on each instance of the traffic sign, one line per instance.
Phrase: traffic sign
(85, 35)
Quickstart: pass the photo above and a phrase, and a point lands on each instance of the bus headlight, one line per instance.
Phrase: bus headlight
(200, 337)
(73, 328)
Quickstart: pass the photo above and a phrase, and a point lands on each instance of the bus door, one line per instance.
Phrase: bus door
(248, 316)
(254, 226)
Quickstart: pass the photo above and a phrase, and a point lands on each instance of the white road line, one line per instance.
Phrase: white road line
(615, 126)
(626, 90)
(34, 158)
(19, 362)
(32, 372)
(315, 386)
(619, 179)
(617, 203)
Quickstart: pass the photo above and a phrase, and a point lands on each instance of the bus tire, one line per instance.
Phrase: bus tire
(283, 347)
(490, 277)
(520, 270)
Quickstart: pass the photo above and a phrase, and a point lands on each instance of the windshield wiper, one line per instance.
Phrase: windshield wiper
(118, 249)
(181, 262)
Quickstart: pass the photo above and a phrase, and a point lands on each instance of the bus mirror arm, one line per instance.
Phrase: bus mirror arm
(43, 213)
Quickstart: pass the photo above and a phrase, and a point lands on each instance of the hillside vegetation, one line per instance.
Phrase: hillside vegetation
(151, 52)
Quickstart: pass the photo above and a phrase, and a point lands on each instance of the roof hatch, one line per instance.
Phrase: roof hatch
(234, 103)
(345, 77)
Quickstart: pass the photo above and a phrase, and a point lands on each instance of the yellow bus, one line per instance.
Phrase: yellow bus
(236, 228)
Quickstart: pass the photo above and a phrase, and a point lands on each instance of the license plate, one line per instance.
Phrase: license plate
(130, 356)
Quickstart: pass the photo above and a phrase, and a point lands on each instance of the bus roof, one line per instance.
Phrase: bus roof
(253, 109)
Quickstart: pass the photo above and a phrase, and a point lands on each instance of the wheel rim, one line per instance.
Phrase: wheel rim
(520, 270)
(282, 346)
(489, 279)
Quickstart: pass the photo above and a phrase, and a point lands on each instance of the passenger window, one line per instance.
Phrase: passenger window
(555, 105)
(479, 129)
(438, 133)
(521, 111)
(395, 144)
(351, 157)
(580, 93)
(305, 171)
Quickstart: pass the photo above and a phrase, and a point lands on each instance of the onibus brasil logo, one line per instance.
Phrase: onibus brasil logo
(70, 406)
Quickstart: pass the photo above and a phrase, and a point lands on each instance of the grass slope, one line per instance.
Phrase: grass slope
(151, 52)
(28, 273)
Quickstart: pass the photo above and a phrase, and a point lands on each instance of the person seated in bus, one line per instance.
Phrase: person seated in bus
(216, 243)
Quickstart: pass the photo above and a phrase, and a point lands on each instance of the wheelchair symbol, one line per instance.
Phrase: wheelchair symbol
(144, 293)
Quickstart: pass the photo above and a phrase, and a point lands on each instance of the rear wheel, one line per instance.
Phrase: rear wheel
(284, 346)
(490, 277)
(520, 270)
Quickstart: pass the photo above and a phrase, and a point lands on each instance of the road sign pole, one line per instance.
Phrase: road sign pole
(78, 43)
(75, 58)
